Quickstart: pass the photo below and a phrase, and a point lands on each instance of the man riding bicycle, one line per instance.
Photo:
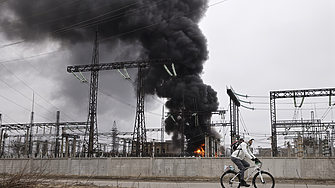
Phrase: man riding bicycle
(239, 155)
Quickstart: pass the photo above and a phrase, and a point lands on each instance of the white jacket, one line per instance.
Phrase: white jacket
(243, 151)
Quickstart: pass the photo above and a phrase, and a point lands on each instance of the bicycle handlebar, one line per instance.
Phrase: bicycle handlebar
(260, 164)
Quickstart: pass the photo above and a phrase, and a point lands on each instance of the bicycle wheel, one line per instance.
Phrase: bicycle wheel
(263, 180)
(229, 179)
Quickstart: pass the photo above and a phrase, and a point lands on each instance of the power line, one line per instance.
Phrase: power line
(40, 13)
(243, 124)
(3, 1)
(32, 89)
(120, 100)
(135, 30)
(287, 103)
(41, 73)
(102, 91)
(288, 109)
(11, 44)
(23, 107)
(24, 95)
(35, 91)
(62, 6)
(326, 112)
(34, 56)
(7, 116)
(77, 13)
(94, 20)
(116, 35)
(93, 23)
(103, 39)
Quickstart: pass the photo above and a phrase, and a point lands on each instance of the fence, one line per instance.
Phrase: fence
(285, 168)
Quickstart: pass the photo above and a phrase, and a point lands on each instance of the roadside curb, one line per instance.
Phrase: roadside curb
(189, 179)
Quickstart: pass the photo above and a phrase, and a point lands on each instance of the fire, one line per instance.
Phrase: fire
(200, 151)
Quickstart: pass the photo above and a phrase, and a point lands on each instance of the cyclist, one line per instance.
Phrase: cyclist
(238, 157)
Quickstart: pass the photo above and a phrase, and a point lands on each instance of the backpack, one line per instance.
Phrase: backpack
(234, 145)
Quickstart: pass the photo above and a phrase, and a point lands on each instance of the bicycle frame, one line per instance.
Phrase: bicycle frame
(255, 168)
(260, 177)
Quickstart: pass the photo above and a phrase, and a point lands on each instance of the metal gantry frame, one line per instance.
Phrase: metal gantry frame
(28, 128)
(275, 124)
(53, 137)
(139, 134)
(234, 115)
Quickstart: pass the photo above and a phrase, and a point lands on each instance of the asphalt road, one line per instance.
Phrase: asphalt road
(170, 184)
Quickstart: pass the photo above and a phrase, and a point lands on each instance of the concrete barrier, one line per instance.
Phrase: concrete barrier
(284, 168)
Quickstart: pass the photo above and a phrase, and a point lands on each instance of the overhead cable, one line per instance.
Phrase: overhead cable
(34, 56)
(32, 89)
(23, 107)
(118, 35)
(40, 13)
(41, 73)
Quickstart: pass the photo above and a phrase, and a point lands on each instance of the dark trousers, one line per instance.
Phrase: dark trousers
(242, 165)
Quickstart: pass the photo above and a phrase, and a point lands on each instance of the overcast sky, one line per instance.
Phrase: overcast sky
(262, 46)
(255, 46)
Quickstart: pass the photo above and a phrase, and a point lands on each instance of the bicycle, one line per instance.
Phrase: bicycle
(261, 179)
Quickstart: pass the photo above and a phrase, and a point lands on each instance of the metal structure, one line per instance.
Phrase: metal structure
(162, 125)
(92, 112)
(304, 126)
(234, 115)
(139, 134)
(69, 141)
(208, 126)
(114, 133)
(15, 131)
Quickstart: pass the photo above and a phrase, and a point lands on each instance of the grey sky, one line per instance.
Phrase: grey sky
(261, 46)
(255, 46)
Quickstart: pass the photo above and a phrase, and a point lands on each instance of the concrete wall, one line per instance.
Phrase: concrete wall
(287, 168)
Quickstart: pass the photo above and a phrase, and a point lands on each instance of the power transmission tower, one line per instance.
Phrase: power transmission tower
(92, 121)
(139, 134)
(92, 112)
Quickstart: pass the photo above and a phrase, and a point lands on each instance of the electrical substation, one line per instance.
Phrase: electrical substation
(312, 137)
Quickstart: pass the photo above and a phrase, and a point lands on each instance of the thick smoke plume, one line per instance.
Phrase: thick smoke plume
(160, 28)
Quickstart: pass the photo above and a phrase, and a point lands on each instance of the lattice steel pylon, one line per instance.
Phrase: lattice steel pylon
(140, 135)
(92, 120)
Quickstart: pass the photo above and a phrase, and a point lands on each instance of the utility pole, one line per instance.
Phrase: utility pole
(31, 127)
(114, 134)
(1, 136)
(57, 135)
(162, 126)
(26, 150)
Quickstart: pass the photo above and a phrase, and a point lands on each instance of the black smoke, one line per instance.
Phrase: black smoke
(157, 29)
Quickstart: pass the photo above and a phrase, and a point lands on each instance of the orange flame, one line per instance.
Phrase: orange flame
(200, 151)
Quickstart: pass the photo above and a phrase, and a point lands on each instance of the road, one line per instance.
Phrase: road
(170, 184)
